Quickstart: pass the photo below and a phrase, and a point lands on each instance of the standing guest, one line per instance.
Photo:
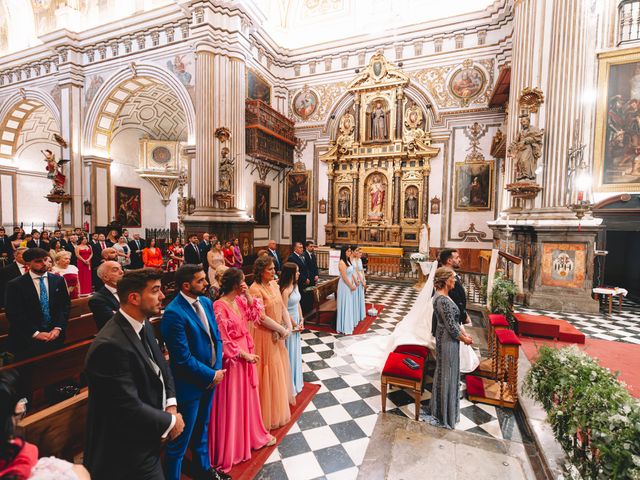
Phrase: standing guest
(214, 289)
(204, 246)
(361, 284)
(297, 257)
(125, 234)
(123, 251)
(96, 260)
(27, 239)
(229, 257)
(191, 334)
(71, 248)
(13, 270)
(63, 267)
(215, 259)
(19, 459)
(237, 254)
(136, 245)
(57, 234)
(6, 249)
(45, 240)
(450, 258)
(105, 302)
(94, 239)
(274, 371)
(112, 238)
(192, 251)
(16, 241)
(132, 399)
(14, 235)
(445, 397)
(85, 254)
(109, 253)
(346, 320)
(273, 253)
(236, 420)
(311, 262)
(176, 256)
(54, 248)
(35, 241)
(152, 255)
(37, 316)
(291, 298)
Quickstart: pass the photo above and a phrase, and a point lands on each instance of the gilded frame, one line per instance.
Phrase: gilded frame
(260, 79)
(263, 219)
(459, 204)
(606, 62)
(300, 180)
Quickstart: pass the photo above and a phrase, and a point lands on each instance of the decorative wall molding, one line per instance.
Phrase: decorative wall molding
(472, 235)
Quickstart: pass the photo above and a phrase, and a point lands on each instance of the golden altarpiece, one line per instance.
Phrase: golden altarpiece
(378, 164)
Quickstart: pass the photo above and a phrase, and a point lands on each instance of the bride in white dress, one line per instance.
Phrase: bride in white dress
(413, 329)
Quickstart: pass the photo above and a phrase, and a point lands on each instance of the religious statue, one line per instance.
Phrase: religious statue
(344, 205)
(411, 204)
(226, 171)
(54, 172)
(423, 246)
(526, 149)
(379, 123)
(377, 192)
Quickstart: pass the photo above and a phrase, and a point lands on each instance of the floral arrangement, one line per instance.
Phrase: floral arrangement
(502, 296)
(419, 257)
(591, 412)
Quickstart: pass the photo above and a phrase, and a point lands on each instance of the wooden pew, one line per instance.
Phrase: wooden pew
(58, 430)
(324, 311)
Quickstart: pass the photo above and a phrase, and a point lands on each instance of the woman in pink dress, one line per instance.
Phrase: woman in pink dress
(84, 254)
(237, 254)
(236, 426)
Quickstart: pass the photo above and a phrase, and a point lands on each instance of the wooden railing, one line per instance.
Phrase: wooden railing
(628, 21)
(475, 286)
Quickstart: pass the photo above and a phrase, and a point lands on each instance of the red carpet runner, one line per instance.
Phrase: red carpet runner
(361, 328)
(249, 469)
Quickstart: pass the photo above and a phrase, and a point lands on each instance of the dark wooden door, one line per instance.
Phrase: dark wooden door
(298, 228)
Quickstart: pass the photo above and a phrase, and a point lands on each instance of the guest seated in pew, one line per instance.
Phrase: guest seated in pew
(37, 308)
(132, 398)
(11, 271)
(105, 302)
(19, 459)
(236, 420)
(67, 271)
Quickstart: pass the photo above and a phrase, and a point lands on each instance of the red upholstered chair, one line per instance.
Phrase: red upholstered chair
(496, 322)
(508, 346)
(415, 350)
(395, 372)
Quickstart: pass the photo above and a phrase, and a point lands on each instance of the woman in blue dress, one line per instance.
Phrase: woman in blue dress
(346, 297)
(291, 298)
(361, 309)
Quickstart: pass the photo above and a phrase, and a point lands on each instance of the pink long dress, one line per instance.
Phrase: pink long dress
(236, 426)
(84, 272)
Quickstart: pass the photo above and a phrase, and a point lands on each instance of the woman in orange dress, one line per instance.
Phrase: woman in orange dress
(152, 255)
(274, 371)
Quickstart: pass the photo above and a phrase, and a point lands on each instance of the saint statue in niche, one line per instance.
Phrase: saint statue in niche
(376, 193)
(379, 123)
(411, 203)
(344, 201)
(526, 149)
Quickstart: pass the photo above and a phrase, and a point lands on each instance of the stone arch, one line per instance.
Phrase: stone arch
(114, 93)
(16, 111)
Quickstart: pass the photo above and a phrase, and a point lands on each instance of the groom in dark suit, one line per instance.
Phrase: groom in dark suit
(191, 334)
(37, 307)
(132, 399)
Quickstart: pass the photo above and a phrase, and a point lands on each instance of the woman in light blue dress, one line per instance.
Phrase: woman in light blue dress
(361, 309)
(346, 297)
(291, 298)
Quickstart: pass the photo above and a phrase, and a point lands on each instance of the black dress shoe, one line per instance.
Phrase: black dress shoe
(220, 475)
(214, 474)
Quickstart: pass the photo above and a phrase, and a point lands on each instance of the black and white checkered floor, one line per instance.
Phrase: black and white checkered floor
(330, 438)
(623, 326)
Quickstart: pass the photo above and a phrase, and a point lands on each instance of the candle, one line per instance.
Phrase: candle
(580, 196)
(507, 221)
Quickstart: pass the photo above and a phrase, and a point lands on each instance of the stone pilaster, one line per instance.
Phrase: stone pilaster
(396, 192)
(354, 199)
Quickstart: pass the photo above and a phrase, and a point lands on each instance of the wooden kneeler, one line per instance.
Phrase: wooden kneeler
(395, 372)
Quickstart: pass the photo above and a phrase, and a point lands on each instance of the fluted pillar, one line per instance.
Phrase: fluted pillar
(237, 124)
(356, 114)
(205, 173)
(330, 194)
(354, 199)
(425, 197)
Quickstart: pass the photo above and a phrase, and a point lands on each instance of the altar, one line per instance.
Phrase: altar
(379, 162)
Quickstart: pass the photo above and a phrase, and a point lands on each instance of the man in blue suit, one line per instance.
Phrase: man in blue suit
(191, 334)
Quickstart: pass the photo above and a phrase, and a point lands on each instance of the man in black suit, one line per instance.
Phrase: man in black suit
(304, 281)
(450, 258)
(192, 253)
(311, 262)
(136, 245)
(132, 398)
(273, 253)
(57, 235)
(6, 249)
(96, 260)
(11, 271)
(71, 248)
(36, 242)
(94, 240)
(205, 246)
(37, 307)
(105, 302)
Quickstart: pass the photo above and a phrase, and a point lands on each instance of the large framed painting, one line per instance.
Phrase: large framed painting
(128, 207)
(474, 186)
(262, 204)
(298, 191)
(305, 103)
(617, 142)
(564, 264)
(257, 87)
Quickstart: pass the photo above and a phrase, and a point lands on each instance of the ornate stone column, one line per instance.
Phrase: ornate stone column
(399, 100)
(425, 194)
(356, 113)
(354, 198)
(237, 125)
(330, 194)
(396, 191)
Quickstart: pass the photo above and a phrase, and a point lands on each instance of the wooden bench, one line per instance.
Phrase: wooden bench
(324, 310)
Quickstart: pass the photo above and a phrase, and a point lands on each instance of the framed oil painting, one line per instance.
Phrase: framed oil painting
(262, 204)
(474, 186)
(258, 88)
(467, 83)
(617, 141)
(298, 191)
(128, 207)
(305, 103)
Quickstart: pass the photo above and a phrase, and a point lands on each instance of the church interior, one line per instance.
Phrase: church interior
(503, 132)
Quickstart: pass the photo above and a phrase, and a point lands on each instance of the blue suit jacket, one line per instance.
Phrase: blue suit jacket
(190, 348)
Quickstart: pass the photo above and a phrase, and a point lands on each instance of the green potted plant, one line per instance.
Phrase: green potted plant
(503, 295)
